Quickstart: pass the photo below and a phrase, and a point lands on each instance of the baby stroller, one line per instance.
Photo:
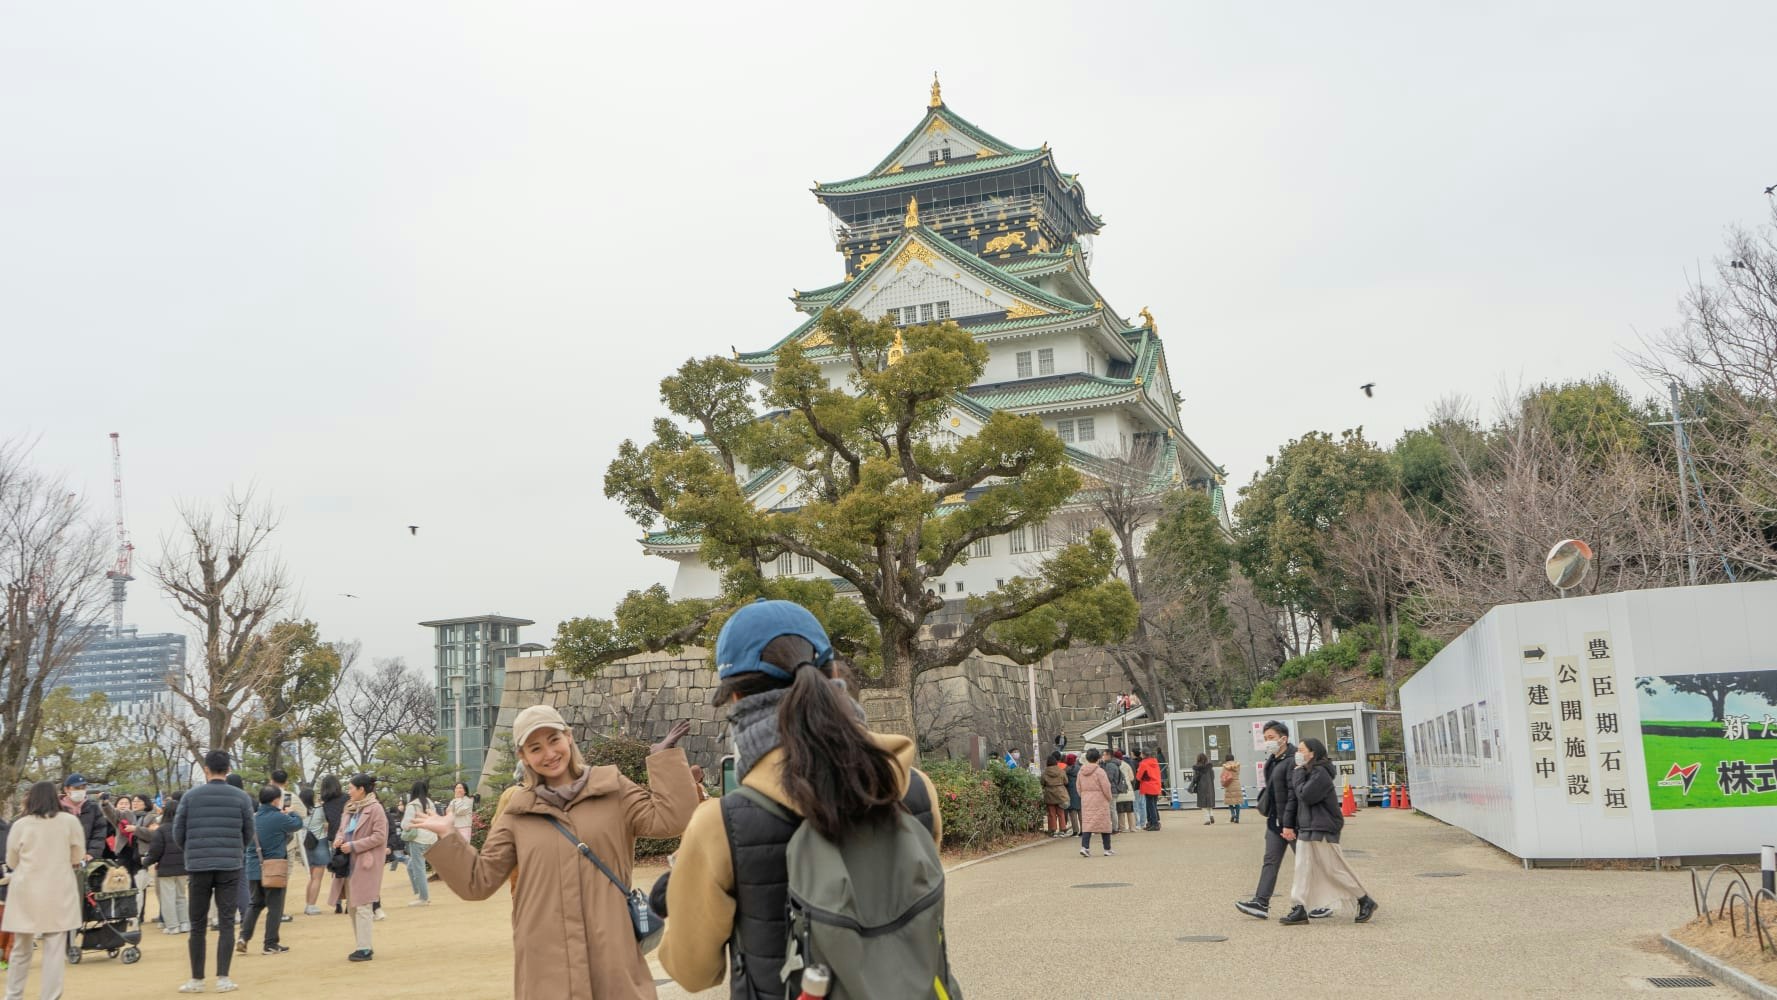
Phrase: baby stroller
(110, 914)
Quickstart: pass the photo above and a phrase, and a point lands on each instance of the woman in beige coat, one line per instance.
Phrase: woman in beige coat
(44, 849)
(364, 834)
(571, 933)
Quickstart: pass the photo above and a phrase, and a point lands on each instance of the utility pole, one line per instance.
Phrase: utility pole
(1681, 442)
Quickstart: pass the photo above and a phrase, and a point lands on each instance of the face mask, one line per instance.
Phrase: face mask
(1302, 760)
(76, 795)
(1271, 747)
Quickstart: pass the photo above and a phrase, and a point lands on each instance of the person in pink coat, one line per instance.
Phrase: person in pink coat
(364, 836)
(1096, 804)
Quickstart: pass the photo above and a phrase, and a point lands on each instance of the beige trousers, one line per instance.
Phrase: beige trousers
(55, 961)
(1323, 878)
(362, 916)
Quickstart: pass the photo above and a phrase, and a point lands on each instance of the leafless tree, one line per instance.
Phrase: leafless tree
(386, 700)
(1372, 548)
(220, 575)
(52, 580)
(1124, 494)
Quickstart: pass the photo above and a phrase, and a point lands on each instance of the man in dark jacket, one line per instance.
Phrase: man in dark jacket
(92, 819)
(213, 826)
(1276, 793)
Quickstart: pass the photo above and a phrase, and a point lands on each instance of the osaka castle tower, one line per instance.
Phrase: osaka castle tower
(955, 224)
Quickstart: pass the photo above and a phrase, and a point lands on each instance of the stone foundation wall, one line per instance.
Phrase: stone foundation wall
(1087, 683)
(641, 697)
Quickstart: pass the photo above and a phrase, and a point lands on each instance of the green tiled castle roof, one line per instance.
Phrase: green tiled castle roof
(949, 168)
(957, 122)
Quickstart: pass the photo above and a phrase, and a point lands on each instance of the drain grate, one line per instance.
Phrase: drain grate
(1201, 938)
(1102, 885)
(1678, 982)
(1442, 874)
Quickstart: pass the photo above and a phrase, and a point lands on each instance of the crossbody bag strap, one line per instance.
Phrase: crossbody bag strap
(586, 852)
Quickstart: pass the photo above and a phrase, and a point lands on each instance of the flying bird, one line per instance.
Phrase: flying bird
(413, 529)
(1369, 389)
(353, 596)
(1739, 264)
(1772, 189)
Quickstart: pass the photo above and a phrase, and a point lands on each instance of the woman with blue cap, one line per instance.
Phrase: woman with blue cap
(799, 740)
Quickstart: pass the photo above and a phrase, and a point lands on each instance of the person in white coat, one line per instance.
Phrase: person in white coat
(44, 850)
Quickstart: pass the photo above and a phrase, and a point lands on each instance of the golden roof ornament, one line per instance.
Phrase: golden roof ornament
(898, 350)
(937, 94)
(1150, 319)
(912, 212)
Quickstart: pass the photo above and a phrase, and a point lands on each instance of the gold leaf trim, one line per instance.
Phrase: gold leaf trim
(1022, 310)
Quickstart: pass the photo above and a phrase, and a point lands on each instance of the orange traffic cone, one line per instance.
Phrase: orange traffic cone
(1406, 800)
(1349, 806)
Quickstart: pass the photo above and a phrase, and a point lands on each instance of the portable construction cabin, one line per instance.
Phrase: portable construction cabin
(1347, 728)
(1625, 725)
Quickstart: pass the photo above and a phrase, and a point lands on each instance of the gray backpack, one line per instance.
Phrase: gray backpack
(870, 909)
(1115, 773)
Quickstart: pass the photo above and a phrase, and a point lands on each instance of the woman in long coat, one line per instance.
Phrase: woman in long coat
(1072, 770)
(1095, 805)
(366, 838)
(1232, 796)
(1204, 785)
(571, 933)
(44, 848)
(1055, 795)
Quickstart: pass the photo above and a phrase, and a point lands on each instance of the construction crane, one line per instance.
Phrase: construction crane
(120, 572)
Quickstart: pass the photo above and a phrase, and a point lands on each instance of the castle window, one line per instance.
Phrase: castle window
(925, 313)
(1039, 537)
(941, 588)
(1084, 426)
(959, 586)
(1064, 429)
(936, 155)
(1018, 541)
(909, 315)
(1046, 361)
(944, 309)
(1024, 364)
(783, 564)
(804, 564)
(982, 547)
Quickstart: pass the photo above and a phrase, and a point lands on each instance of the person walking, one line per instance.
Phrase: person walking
(801, 742)
(1123, 784)
(214, 827)
(366, 839)
(1203, 785)
(268, 868)
(315, 851)
(1232, 796)
(1147, 784)
(572, 937)
(44, 851)
(171, 882)
(1274, 802)
(1054, 779)
(93, 828)
(333, 807)
(419, 839)
(1324, 878)
(462, 811)
(1073, 794)
(1096, 798)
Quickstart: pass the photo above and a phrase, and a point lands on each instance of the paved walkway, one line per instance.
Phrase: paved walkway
(1023, 927)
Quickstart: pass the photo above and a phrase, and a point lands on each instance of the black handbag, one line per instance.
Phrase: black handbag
(340, 864)
(648, 924)
(1263, 804)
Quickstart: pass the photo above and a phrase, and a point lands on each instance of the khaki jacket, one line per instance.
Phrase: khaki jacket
(571, 934)
(700, 895)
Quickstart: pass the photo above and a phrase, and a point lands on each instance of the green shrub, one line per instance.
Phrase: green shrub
(980, 807)
(1264, 695)
(631, 758)
(1373, 665)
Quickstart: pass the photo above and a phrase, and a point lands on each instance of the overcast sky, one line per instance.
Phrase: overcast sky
(424, 263)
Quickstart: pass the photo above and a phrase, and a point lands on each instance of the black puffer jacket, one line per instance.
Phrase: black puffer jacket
(164, 851)
(1314, 801)
(94, 827)
(1279, 813)
(214, 827)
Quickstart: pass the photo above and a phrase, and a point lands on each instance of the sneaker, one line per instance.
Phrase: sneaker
(192, 986)
(185, 928)
(1254, 908)
(240, 947)
(380, 915)
(419, 902)
(1366, 908)
(361, 955)
(1084, 853)
(275, 949)
(286, 918)
(225, 985)
(311, 911)
(1322, 913)
(1298, 915)
(1109, 853)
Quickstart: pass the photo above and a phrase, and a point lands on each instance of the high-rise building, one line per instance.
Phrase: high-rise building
(470, 665)
(129, 668)
(956, 224)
